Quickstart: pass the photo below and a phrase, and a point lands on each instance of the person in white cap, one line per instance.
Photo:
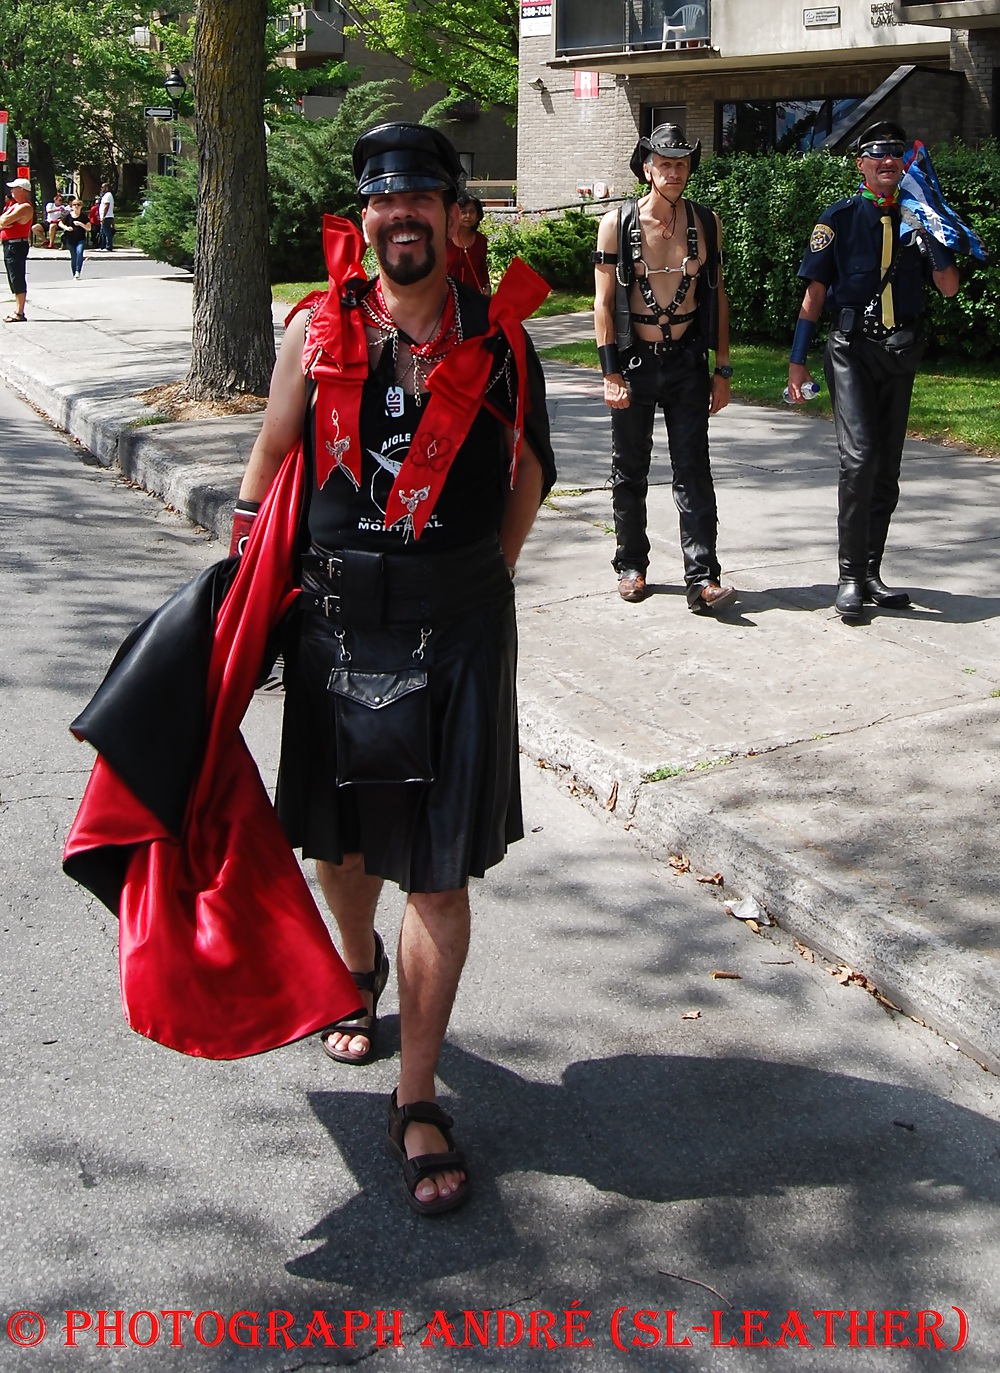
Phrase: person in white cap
(15, 234)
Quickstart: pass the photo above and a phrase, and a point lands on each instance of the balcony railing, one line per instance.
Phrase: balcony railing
(593, 26)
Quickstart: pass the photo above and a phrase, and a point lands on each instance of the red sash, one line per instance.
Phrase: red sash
(336, 355)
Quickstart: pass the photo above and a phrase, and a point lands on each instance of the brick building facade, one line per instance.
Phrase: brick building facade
(595, 74)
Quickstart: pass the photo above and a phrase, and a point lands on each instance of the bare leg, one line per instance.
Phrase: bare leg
(433, 944)
(352, 895)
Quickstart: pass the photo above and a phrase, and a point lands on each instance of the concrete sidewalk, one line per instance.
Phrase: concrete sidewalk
(844, 776)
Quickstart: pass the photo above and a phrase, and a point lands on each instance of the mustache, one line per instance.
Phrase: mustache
(409, 226)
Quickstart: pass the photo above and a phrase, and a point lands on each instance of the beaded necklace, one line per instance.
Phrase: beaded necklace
(424, 357)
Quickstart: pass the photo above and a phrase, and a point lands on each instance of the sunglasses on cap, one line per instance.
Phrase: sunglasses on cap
(877, 151)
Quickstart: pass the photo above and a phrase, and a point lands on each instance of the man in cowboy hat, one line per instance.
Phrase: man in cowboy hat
(417, 783)
(868, 270)
(660, 306)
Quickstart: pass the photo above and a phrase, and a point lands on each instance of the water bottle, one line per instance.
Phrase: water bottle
(810, 390)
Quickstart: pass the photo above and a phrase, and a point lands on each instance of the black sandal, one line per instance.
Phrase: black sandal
(367, 1023)
(426, 1165)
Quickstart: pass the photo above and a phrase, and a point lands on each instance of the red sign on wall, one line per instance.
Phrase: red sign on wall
(3, 135)
(586, 85)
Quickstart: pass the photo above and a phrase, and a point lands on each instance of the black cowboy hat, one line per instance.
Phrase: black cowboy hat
(668, 140)
(406, 157)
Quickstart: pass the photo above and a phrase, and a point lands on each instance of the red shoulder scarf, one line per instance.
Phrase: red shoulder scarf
(336, 356)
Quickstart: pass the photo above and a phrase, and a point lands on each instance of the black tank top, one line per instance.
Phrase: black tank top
(471, 503)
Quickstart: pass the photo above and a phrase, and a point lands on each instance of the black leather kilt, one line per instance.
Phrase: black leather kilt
(444, 619)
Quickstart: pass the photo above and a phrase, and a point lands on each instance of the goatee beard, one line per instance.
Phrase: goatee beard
(408, 268)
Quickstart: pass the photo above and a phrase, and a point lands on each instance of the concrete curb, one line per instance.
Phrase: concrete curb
(954, 992)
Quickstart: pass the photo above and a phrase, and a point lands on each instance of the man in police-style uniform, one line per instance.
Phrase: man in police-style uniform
(868, 270)
(659, 306)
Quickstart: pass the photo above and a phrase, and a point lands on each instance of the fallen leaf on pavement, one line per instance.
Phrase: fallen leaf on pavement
(691, 1015)
(807, 954)
(904, 1124)
(728, 977)
(752, 925)
(716, 879)
(612, 800)
(679, 863)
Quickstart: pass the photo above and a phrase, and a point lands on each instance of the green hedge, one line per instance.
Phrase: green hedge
(768, 204)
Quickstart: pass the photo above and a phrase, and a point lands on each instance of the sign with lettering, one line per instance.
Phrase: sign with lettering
(586, 85)
(826, 18)
(22, 150)
(536, 18)
(884, 15)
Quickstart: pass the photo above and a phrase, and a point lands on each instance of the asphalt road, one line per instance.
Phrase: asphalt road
(794, 1147)
(45, 266)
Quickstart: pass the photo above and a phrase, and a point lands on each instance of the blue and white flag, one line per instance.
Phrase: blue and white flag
(921, 198)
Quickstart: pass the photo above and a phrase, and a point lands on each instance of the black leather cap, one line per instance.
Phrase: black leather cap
(668, 140)
(886, 131)
(406, 157)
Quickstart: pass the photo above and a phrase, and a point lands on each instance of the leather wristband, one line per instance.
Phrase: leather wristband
(243, 517)
(941, 257)
(805, 329)
(611, 363)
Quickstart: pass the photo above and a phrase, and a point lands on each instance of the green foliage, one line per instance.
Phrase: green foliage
(309, 175)
(74, 82)
(166, 228)
(469, 46)
(558, 249)
(769, 202)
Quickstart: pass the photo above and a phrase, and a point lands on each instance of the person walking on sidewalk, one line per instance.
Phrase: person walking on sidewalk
(106, 215)
(659, 306)
(15, 234)
(399, 744)
(868, 271)
(75, 229)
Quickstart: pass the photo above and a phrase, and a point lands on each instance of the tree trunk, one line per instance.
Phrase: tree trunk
(232, 345)
(43, 169)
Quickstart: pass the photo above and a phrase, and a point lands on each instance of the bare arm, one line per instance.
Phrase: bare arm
(721, 385)
(812, 307)
(20, 213)
(286, 404)
(521, 505)
(605, 283)
(947, 280)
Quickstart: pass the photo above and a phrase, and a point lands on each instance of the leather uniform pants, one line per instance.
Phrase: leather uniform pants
(678, 382)
(870, 388)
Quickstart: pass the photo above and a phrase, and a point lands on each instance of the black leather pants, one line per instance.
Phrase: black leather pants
(677, 382)
(870, 388)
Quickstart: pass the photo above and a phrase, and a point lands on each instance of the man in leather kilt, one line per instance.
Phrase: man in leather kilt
(399, 752)
(659, 307)
(868, 270)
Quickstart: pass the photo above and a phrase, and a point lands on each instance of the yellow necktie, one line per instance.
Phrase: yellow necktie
(888, 314)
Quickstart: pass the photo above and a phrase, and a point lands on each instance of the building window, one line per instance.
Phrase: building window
(786, 126)
(467, 160)
(165, 164)
(654, 115)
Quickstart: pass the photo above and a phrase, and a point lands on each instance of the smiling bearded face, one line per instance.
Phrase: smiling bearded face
(408, 232)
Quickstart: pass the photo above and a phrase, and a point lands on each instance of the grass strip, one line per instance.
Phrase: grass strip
(953, 402)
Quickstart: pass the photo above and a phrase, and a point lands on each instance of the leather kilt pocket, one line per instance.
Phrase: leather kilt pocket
(383, 725)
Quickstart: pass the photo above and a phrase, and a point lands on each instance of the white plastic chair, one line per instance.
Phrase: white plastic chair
(681, 22)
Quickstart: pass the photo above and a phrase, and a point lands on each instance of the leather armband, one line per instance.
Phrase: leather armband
(611, 363)
(243, 517)
(941, 257)
(803, 337)
(600, 259)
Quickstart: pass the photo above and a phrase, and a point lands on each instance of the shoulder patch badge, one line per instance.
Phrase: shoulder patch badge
(821, 237)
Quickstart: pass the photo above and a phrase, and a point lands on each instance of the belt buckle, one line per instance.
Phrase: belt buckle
(331, 606)
(332, 565)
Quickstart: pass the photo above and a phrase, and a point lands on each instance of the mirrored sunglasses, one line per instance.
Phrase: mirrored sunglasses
(877, 151)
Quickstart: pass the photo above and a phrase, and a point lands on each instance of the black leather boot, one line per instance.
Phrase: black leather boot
(850, 601)
(878, 593)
